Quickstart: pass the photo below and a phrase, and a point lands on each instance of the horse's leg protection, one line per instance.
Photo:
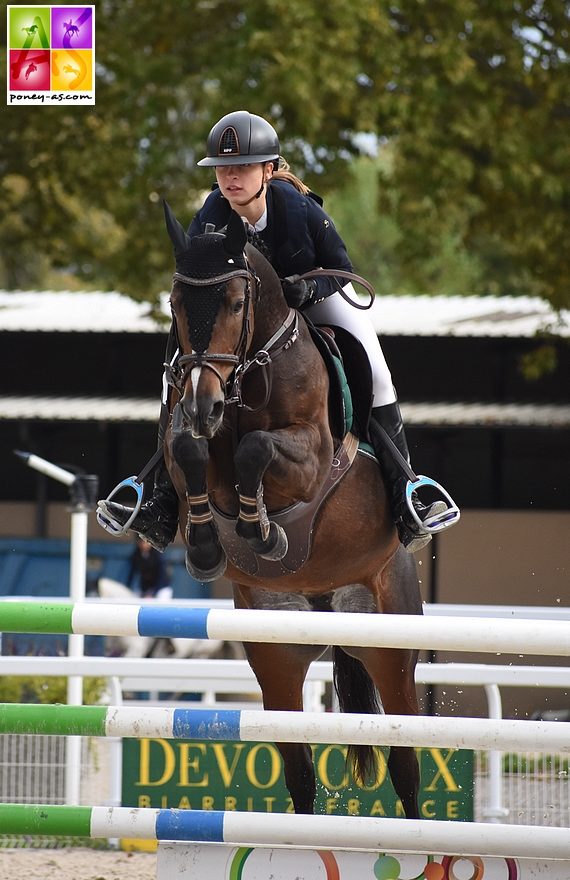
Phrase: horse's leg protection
(205, 558)
(253, 456)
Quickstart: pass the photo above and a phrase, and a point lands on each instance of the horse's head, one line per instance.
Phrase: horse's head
(212, 303)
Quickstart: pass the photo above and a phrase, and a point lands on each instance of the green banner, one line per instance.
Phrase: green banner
(249, 777)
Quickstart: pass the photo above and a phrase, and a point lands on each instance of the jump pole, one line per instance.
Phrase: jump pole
(287, 830)
(250, 725)
(497, 636)
(82, 495)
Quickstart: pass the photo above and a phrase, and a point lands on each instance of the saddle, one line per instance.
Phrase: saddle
(349, 413)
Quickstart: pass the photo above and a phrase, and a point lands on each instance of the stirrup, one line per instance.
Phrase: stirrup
(108, 522)
(439, 521)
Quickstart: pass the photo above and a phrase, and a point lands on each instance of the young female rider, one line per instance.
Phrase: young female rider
(299, 236)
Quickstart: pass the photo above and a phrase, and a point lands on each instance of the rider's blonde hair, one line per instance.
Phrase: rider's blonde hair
(283, 172)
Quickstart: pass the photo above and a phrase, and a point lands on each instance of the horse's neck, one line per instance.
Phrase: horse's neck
(270, 315)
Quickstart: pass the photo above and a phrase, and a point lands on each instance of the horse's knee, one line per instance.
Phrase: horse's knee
(189, 452)
(254, 453)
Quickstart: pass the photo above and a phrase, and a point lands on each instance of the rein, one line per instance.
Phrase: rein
(350, 276)
(177, 374)
(264, 358)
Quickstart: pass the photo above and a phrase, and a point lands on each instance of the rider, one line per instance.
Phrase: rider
(299, 236)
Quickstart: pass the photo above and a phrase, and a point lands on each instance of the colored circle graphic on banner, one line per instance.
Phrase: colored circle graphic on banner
(450, 862)
(240, 858)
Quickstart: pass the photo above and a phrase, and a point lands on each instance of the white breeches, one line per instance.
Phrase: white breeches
(336, 310)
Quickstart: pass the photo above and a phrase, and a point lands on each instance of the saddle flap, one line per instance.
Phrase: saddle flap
(345, 348)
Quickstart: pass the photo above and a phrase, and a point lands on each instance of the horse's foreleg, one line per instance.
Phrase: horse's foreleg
(205, 558)
(289, 458)
(253, 456)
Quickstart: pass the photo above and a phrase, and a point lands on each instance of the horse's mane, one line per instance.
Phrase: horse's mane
(258, 254)
(258, 243)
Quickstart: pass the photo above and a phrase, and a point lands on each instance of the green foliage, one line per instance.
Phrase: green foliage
(35, 689)
(376, 243)
(539, 362)
(536, 764)
(472, 99)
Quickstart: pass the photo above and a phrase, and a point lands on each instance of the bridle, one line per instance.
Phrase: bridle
(177, 373)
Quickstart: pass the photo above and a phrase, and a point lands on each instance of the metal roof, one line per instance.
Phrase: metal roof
(112, 312)
(121, 409)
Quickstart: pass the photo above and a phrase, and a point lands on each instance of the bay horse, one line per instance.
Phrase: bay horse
(250, 441)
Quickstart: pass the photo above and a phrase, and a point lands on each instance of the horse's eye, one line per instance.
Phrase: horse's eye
(238, 306)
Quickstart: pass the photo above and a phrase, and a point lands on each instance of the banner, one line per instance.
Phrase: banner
(249, 777)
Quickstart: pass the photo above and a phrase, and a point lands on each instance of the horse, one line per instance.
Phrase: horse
(251, 442)
(70, 28)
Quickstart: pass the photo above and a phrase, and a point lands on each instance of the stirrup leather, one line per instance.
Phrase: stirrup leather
(107, 521)
(439, 521)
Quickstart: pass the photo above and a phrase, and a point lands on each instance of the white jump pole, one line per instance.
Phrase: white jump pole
(521, 637)
(77, 580)
(83, 491)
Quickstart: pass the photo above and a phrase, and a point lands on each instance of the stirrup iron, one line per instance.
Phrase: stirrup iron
(107, 521)
(439, 521)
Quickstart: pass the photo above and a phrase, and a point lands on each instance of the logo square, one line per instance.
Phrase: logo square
(71, 27)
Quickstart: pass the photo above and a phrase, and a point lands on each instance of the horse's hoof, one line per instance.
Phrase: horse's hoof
(206, 575)
(274, 547)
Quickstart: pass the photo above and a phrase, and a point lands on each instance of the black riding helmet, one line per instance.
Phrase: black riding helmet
(241, 138)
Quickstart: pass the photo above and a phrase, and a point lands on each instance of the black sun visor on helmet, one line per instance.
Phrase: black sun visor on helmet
(241, 138)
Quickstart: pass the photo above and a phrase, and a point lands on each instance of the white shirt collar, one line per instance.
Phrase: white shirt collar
(262, 222)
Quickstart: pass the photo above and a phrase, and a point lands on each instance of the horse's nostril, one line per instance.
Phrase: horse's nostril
(217, 411)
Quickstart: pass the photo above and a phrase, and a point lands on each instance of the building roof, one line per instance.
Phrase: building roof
(121, 409)
(112, 312)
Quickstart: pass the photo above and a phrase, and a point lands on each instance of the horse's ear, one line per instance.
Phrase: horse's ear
(236, 235)
(175, 229)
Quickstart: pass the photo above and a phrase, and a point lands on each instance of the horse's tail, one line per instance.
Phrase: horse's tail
(356, 693)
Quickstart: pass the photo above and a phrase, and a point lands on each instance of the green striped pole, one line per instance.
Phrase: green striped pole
(56, 719)
(49, 820)
(36, 617)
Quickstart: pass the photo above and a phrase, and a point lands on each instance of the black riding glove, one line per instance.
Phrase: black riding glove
(297, 291)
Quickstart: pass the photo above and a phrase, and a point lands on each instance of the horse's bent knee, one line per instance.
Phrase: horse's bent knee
(255, 451)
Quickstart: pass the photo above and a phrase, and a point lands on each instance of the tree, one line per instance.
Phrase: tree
(470, 97)
(481, 109)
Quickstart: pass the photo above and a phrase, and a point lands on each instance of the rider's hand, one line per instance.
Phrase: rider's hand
(297, 291)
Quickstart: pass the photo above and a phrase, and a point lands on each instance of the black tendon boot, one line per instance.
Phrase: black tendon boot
(157, 520)
(411, 535)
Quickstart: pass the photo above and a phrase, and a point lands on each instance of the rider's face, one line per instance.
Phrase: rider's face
(240, 183)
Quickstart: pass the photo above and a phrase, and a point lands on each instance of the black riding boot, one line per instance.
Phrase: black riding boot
(410, 533)
(157, 520)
